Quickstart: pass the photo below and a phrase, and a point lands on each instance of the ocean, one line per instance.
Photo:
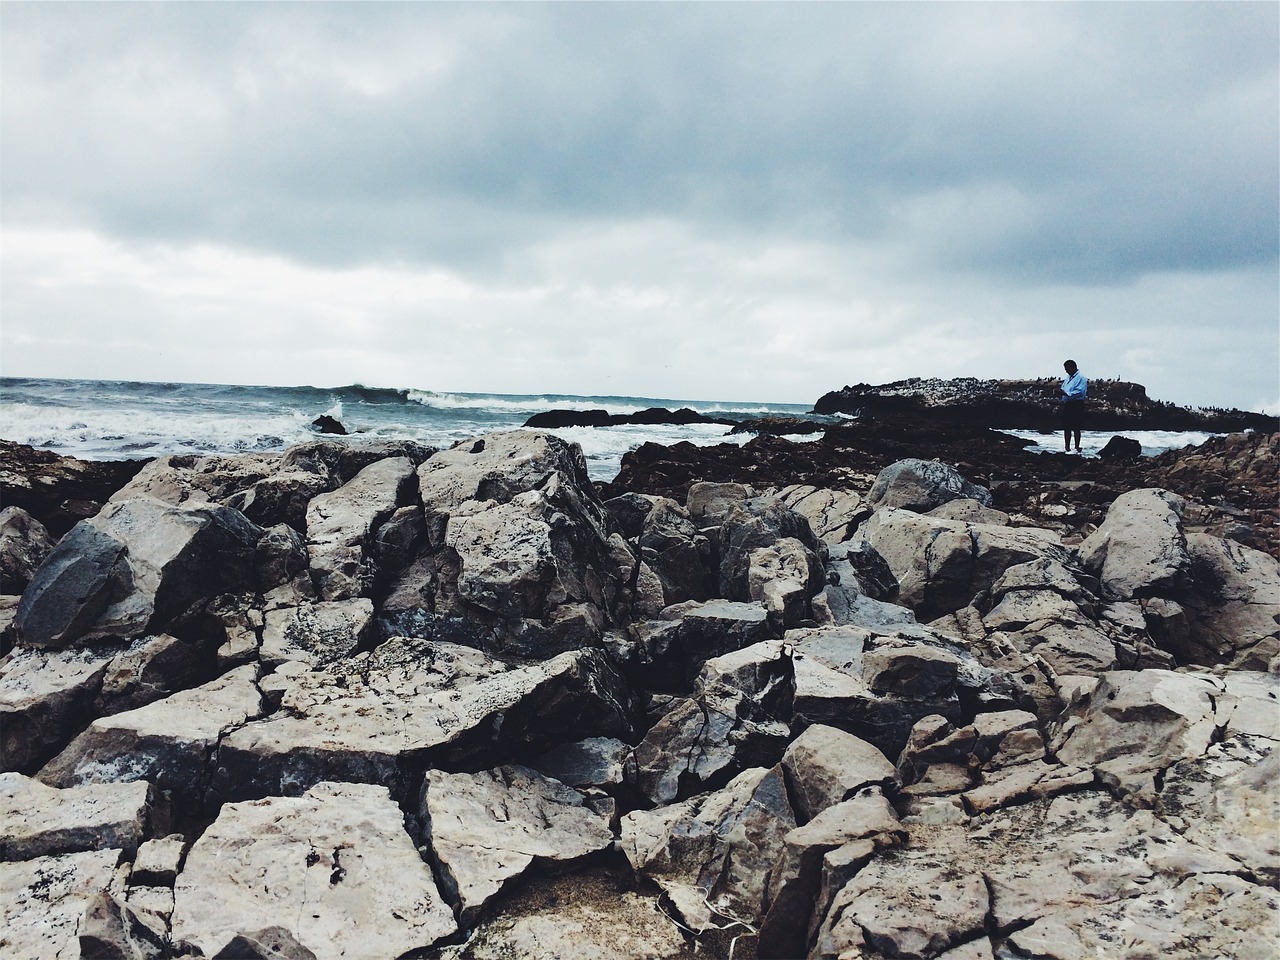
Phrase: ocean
(114, 420)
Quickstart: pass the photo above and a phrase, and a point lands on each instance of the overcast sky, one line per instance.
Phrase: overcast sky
(694, 201)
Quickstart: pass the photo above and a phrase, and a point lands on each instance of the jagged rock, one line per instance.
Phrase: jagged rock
(47, 696)
(43, 900)
(168, 742)
(110, 928)
(281, 554)
(487, 828)
(795, 880)
(158, 861)
(672, 548)
(1140, 549)
(341, 526)
(670, 651)
(133, 568)
(316, 633)
(1233, 606)
(373, 717)
(180, 479)
(1134, 725)
(710, 503)
(992, 741)
(833, 515)
(784, 576)
(712, 854)
(628, 511)
(593, 762)
(39, 821)
(333, 867)
(941, 565)
(751, 524)
(327, 424)
(921, 485)
(59, 491)
(1121, 448)
(968, 510)
(826, 766)
(24, 544)
(269, 943)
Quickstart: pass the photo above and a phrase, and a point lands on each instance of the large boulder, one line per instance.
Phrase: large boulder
(334, 867)
(24, 544)
(750, 525)
(922, 485)
(375, 717)
(485, 829)
(1140, 549)
(42, 901)
(941, 565)
(1232, 605)
(673, 548)
(133, 568)
(341, 526)
(39, 821)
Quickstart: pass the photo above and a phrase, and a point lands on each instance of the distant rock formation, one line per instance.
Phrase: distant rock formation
(1030, 405)
(552, 419)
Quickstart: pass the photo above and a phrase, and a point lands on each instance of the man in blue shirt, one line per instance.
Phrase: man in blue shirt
(1074, 389)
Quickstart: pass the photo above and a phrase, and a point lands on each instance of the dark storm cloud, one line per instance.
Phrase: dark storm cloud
(1078, 143)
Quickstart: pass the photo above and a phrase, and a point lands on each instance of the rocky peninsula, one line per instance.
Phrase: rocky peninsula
(904, 690)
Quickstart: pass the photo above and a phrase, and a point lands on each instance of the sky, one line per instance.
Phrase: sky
(704, 201)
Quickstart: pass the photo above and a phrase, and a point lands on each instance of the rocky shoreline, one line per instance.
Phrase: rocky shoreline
(906, 690)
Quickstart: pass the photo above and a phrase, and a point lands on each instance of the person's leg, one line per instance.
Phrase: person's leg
(1066, 439)
(1077, 440)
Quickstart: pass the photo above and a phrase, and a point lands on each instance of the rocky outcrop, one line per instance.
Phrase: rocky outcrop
(382, 702)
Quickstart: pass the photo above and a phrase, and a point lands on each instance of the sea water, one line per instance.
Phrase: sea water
(111, 420)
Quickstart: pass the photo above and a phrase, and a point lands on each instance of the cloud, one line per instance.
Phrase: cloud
(604, 194)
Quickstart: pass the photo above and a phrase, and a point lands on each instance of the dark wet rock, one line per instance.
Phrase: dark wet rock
(1121, 448)
(24, 544)
(59, 491)
(553, 419)
(327, 424)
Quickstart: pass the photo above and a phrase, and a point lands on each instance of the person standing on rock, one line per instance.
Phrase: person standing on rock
(1074, 390)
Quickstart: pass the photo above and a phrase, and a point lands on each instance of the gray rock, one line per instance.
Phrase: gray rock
(750, 525)
(334, 868)
(133, 568)
(39, 821)
(593, 762)
(110, 928)
(24, 544)
(970, 511)
(922, 485)
(42, 901)
(158, 861)
(341, 526)
(712, 854)
(1232, 606)
(316, 633)
(784, 576)
(1139, 550)
(169, 742)
(676, 552)
(485, 829)
(269, 943)
(671, 651)
(709, 503)
(185, 480)
(941, 565)
(833, 515)
(409, 702)
(826, 766)
(281, 554)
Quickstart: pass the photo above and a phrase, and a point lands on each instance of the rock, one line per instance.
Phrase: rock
(169, 742)
(59, 491)
(327, 424)
(672, 650)
(752, 524)
(1121, 448)
(1233, 606)
(341, 526)
(316, 633)
(24, 544)
(39, 821)
(487, 828)
(796, 878)
(185, 480)
(593, 762)
(674, 550)
(281, 554)
(784, 576)
(376, 716)
(269, 943)
(969, 510)
(333, 867)
(941, 565)
(710, 503)
(110, 928)
(1140, 549)
(158, 861)
(826, 766)
(712, 854)
(833, 515)
(921, 485)
(43, 900)
(133, 568)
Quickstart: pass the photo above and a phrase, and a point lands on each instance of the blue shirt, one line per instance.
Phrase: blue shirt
(1076, 387)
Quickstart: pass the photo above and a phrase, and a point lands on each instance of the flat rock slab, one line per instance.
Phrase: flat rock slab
(42, 901)
(487, 828)
(168, 742)
(408, 700)
(37, 821)
(334, 868)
